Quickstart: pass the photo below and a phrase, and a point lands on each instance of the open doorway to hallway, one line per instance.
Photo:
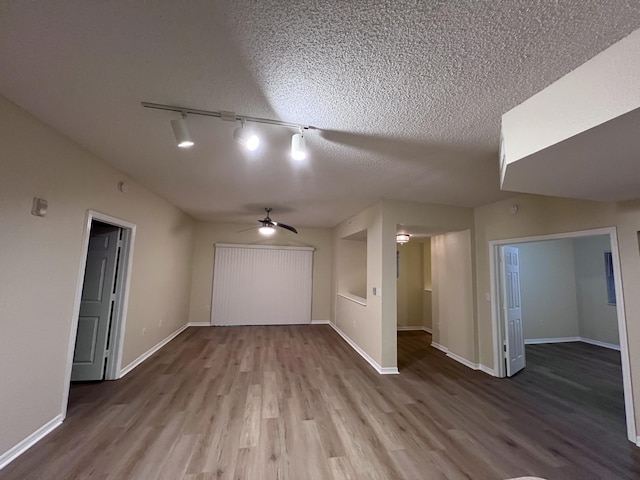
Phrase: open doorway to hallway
(414, 292)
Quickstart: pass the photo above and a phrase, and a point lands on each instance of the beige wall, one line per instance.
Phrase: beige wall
(453, 296)
(208, 234)
(427, 302)
(363, 323)
(373, 328)
(410, 284)
(598, 319)
(40, 260)
(540, 215)
(548, 286)
(352, 267)
(436, 218)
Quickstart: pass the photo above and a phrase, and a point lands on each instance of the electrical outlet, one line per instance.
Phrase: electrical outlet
(144, 330)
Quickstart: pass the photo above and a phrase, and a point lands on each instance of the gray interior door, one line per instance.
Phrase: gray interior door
(96, 305)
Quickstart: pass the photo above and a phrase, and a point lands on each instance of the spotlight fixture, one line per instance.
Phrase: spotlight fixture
(267, 230)
(402, 238)
(251, 142)
(298, 146)
(181, 132)
(246, 138)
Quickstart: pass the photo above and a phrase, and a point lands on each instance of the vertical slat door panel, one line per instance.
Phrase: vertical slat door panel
(261, 286)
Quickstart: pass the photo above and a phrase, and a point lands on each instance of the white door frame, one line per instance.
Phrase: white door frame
(114, 362)
(497, 312)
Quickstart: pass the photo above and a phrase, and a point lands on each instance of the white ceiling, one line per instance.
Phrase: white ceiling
(405, 96)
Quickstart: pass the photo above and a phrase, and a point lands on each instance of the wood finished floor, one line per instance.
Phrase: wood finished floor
(297, 402)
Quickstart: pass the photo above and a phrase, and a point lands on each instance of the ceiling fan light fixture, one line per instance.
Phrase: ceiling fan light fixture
(181, 132)
(246, 138)
(267, 230)
(402, 238)
(298, 146)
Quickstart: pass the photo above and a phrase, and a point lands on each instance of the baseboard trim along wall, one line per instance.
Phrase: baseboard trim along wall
(320, 322)
(199, 324)
(17, 450)
(411, 328)
(536, 341)
(442, 348)
(151, 351)
(381, 370)
(464, 361)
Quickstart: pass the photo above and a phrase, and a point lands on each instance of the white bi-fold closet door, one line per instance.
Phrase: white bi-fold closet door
(261, 285)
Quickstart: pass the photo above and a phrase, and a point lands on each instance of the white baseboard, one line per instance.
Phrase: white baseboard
(637, 444)
(199, 324)
(365, 355)
(536, 341)
(442, 348)
(10, 455)
(487, 370)
(464, 361)
(598, 343)
(411, 328)
(151, 351)
(320, 322)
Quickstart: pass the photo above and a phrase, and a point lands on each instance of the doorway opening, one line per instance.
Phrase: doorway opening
(97, 335)
(510, 323)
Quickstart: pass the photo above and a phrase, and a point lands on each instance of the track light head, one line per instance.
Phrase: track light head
(181, 132)
(246, 138)
(298, 146)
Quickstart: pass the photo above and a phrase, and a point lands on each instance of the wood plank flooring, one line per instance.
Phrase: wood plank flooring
(296, 402)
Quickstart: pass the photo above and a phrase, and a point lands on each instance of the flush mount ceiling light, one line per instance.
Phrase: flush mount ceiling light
(250, 141)
(246, 137)
(267, 230)
(298, 146)
(181, 132)
(402, 238)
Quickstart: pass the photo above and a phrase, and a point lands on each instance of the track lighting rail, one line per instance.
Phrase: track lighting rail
(228, 116)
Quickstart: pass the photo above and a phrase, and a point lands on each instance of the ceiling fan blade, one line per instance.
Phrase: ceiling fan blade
(286, 227)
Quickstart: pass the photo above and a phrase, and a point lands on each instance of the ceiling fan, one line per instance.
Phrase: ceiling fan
(268, 225)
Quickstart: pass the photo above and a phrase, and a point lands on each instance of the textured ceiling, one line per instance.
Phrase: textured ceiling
(405, 96)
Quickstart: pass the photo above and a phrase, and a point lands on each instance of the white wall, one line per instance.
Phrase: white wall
(40, 259)
(598, 319)
(207, 234)
(453, 296)
(548, 287)
(564, 291)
